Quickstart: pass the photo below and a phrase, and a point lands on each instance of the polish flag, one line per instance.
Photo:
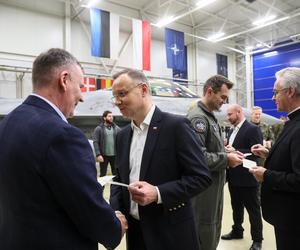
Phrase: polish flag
(141, 36)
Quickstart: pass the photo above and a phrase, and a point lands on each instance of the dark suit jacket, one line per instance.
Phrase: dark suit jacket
(281, 186)
(49, 194)
(172, 161)
(248, 135)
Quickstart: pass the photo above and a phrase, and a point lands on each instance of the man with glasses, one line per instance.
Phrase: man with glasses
(280, 176)
(208, 205)
(159, 155)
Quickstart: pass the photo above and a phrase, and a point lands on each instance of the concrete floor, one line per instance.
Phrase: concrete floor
(243, 244)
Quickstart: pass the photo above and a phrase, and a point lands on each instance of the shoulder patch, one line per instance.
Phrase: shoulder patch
(199, 125)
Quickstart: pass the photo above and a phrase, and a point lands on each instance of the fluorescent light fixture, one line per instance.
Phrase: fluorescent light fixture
(293, 36)
(259, 45)
(272, 53)
(215, 36)
(90, 4)
(164, 21)
(264, 20)
(204, 3)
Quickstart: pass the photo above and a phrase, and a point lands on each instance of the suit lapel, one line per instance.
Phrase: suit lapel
(151, 140)
(124, 161)
(239, 133)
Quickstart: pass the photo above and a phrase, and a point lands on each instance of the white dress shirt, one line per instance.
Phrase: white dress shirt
(235, 131)
(52, 105)
(138, 141)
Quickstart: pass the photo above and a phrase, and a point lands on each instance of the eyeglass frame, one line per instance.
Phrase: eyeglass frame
(123, 93)
(276, 91)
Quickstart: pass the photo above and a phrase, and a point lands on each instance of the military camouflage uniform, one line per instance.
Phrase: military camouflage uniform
(208, 206)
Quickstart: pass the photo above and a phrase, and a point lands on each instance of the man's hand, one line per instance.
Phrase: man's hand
(143, 193)
(258, 173)
(123, 221)
(235, 159)
(99, 158)
(229, 148)
(260, 150)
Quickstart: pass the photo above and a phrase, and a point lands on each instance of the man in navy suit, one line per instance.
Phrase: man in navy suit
(160, 156)
(49, 194)
(242, 185)
(280, 176)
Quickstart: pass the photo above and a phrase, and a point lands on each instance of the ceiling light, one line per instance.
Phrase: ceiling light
(204, 3)
(272, 53)
(164, 21)
(249, 48)
(293, 36)
(90, 4)
(263, 20)
(215, 36)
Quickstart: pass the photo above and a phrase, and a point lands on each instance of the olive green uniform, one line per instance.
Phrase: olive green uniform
(208, 206)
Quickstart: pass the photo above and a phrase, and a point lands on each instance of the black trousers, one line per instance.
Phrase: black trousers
(134, 235)
(246, 197)
(104, 164)
(287, 239)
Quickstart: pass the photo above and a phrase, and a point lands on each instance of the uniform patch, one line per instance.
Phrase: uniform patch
(200, 125)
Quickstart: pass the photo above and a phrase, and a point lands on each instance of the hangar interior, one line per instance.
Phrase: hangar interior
(257, 37)
(242, 30)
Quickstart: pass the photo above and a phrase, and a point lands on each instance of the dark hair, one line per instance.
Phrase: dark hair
(216, 82)
(45, 65)
(134, 74)
(105, 113)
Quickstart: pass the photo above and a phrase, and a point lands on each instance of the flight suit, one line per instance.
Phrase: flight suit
(208, 206)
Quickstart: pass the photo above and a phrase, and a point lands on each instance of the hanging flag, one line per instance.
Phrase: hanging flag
(89, 84)
(104, 33)
(141, 37)
(174, 41)
(222, 65)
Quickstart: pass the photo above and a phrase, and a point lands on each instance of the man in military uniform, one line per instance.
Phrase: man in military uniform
(208, 206)
(266, 130)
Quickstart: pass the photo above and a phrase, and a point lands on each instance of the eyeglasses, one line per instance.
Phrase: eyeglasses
(121, 94)
(276, 91)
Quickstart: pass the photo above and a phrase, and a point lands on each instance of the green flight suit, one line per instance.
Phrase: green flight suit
(208, 205)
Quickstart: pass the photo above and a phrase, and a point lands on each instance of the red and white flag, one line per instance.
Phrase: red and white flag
(89, 84)
(141, 37)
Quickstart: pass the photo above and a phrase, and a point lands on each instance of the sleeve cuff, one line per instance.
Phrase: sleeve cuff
(159, 201)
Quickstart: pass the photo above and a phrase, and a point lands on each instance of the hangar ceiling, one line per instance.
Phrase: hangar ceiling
(198, 19)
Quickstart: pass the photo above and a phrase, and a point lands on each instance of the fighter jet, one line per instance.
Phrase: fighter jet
(171, 97)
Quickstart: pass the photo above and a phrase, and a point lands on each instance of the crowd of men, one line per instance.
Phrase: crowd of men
(175, 167)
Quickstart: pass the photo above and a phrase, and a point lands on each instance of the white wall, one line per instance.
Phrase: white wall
(26, 33)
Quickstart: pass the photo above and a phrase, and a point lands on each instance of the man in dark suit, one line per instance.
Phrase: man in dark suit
(280, 176)
(242, 185)
(159, 155)
(49, 194)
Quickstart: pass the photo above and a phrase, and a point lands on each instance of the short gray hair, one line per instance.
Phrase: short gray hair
(134, 74)
(45, 65)
(291, 77)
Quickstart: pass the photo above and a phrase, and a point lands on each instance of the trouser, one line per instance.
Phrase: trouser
(104, 164)
(134, 235)
(209, 235)
(287, 239)
(246, 197)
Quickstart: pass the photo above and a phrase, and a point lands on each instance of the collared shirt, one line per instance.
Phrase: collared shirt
(235, 131)
(293, 111)
(53, 106)
(138, 141)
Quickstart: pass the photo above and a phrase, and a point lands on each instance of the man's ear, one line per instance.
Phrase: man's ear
(292, 91)
(63, 78)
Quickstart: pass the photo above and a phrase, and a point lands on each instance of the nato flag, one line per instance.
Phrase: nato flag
(174, 41)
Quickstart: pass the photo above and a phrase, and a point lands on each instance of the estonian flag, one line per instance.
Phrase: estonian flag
(141, 37)
(174, 41)
(104, 33)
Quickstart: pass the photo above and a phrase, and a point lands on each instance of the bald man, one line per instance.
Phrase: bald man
(242, 185)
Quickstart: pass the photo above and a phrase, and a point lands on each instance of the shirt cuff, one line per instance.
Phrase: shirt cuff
(159, 201)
